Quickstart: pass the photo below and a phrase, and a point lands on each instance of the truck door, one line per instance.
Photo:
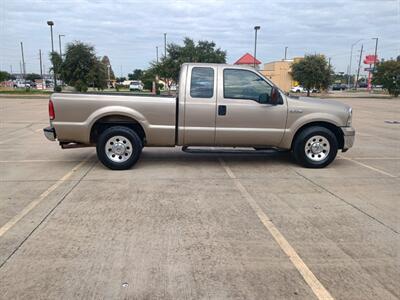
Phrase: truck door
(200, 106)
(245, 113)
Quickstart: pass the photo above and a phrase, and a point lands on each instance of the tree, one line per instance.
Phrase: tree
(98, 75)
(388, 75)
(56, 62)
(81, 68)
(204, 51)
(136, 75)
(106, 61)
(4, 76)
(313, 71)
(32, 76)
(120, 79)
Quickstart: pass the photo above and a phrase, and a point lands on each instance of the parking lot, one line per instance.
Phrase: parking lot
(198, 226)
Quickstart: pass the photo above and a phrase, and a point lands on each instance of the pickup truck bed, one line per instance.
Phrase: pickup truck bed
(77, 114)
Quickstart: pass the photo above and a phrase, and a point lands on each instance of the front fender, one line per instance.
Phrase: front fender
(294, 124)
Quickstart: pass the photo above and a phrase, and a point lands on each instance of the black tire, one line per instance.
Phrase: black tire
(125, 132)
(299, 151)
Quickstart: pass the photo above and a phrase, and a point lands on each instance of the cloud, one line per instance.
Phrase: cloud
(129, 31)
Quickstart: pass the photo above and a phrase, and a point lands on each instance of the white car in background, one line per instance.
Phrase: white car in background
(136, 85)
(298, 89)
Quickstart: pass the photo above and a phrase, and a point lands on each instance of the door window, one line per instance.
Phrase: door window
(202, 82)
(244, 84)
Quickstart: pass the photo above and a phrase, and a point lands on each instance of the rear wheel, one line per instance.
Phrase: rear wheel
(119, 147)
(315, 147)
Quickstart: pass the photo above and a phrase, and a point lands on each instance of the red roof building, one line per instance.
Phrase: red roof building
(247, 59)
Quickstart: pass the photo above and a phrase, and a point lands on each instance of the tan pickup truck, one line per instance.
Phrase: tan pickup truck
(217, 105)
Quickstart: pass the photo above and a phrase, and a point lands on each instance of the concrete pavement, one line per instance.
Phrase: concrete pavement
(190, 226)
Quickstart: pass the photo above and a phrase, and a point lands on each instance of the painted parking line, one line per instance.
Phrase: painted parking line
(369, 167)
(38, 161)
(38, 200)
(316, 286)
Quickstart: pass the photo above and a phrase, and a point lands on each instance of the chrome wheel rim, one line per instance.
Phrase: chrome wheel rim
(317, 148)
(118, 149)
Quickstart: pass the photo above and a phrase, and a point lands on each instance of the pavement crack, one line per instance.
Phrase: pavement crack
(347, 202)
(48, 214)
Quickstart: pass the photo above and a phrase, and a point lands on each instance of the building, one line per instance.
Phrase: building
(248, 60)
(280, 73)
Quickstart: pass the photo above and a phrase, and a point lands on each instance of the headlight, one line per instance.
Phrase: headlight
(350, 117)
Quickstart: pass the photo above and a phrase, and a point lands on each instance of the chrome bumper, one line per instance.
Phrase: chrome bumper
(49, 133)
(348, 137)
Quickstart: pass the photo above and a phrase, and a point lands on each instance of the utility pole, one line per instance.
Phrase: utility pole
(285, 52)
(256, 28)
(157, 53)
(59, 43)
(376, 58)
(165, 45)
(351, 58)
(359, 66)
(109, 79)
(23, 60)
(11, 71)
(40, 60)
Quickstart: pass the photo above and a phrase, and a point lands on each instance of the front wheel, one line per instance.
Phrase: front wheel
(315, 147)
(119, 147)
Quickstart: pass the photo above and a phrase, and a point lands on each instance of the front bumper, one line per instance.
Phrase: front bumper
(50, 133)
(348, 137)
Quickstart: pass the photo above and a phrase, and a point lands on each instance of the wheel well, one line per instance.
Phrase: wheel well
(336, 130)
(116, 120)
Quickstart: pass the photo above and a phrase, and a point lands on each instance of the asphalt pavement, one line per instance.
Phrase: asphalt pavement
(198, 226)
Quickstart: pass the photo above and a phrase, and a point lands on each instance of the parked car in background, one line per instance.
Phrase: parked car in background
(250, 111)
(363, 84)
(21, 84)
(298, 89)
(136, 85)
(339, 87)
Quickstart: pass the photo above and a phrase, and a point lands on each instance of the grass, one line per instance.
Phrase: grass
(24, 92)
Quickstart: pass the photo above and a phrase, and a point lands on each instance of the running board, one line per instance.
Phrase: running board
(217, 150)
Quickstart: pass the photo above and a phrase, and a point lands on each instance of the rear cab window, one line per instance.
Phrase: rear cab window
(202, 82)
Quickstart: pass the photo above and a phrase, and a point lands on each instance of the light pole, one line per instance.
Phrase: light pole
(286, 51)
(165, 45)
(351, 58)
(157, 53)
(51, 24)
(376, 53)
(256, 28)
(59, 42)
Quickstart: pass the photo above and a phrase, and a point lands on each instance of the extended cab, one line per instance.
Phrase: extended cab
(217, 105)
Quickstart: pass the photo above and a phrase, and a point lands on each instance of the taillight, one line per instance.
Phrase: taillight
(52, 115)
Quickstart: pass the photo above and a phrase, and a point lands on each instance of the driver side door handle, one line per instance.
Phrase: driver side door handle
(221, 110)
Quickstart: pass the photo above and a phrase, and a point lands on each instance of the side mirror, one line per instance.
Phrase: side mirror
(276, 97)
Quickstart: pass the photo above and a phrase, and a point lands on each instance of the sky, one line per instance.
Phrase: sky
(129, 31)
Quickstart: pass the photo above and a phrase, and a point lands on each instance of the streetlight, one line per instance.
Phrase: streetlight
(51, 24)
(351, 57)
(376, 53)
(256, 28)
(165, 44)
(59, 42)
